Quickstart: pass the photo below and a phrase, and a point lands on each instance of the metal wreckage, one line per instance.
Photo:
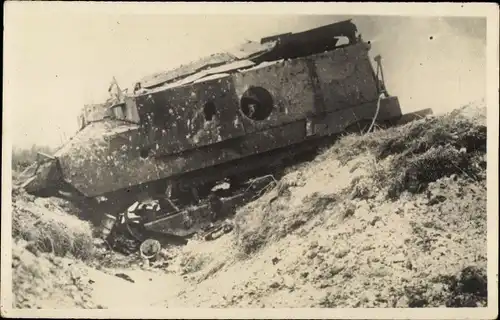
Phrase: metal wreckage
(156, 161)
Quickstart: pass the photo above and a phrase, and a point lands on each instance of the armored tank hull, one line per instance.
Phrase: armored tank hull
(232, 116)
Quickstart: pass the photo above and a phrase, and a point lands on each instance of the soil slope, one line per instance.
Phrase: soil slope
(394, 218)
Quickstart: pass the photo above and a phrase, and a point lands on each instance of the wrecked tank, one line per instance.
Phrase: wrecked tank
(236, 117)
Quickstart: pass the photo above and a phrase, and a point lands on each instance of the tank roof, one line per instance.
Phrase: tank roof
(282, 46)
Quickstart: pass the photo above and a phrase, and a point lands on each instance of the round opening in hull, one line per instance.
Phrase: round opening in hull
(257, 103)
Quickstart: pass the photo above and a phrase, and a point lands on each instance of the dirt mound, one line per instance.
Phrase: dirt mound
(49, 247)
(48, 226)
(395, 218)
(47, 281)
(390, 162)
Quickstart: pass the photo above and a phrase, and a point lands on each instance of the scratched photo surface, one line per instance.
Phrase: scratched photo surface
(248, 161)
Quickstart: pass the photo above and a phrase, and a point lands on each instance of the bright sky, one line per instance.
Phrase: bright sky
(57, 61)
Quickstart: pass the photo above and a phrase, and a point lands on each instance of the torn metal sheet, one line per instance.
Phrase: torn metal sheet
(263, 65)
(251, 49)
(185, 70)
(242, 64)
(212, 77)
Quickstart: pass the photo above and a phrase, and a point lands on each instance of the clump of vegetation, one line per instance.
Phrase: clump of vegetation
(47, 228)
(192, 262)
(468, 289)
(449, 130)
(418, 171)
(453, 129)
(409, 157)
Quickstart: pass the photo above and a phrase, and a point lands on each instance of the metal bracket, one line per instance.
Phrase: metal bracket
(381, 79)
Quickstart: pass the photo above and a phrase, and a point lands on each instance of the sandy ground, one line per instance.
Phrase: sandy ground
(319, 246)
